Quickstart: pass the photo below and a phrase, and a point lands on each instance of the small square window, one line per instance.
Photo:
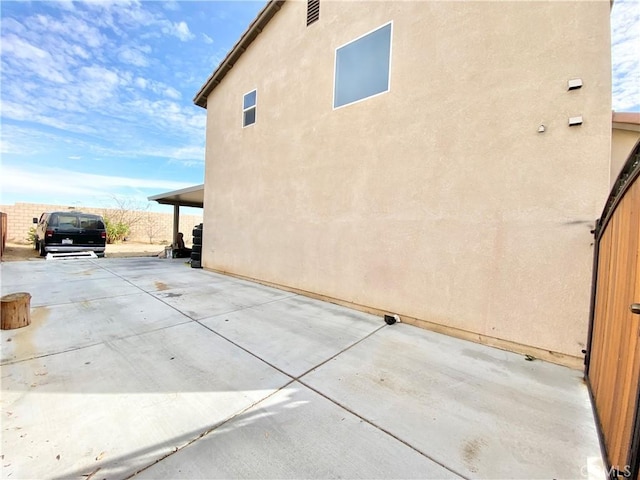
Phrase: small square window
(249, 108)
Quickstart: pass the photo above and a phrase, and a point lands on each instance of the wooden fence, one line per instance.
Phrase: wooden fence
(613, 354)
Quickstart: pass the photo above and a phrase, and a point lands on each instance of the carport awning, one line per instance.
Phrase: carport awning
(186, 197)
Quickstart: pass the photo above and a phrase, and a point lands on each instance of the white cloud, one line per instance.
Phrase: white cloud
(9, 147)
(141, 82)
(11, 25)
(133, 56)
(179, 30)
(76, 85)
(158, 88)
(96, 73)
(64, 5)
(182, 30)
(625, 48)
(170, 116)
(20, 111)
(116, 13)
(207, 39)
(172, 93)
(171, 5)
(79, 51)
(51, 181)
(18, 48)
(27, 141)
(96, 85)
(193, 155)
(21, 54)
(69, 26)
(189, 155)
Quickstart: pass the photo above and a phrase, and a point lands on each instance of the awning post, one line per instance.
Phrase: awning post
(176, 222)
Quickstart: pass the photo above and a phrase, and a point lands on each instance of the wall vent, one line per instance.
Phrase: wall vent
(313, 11)
(575, 121)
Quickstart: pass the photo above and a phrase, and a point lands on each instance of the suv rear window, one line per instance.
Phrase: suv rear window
(91, 223)
(65, 221)
(70, 220)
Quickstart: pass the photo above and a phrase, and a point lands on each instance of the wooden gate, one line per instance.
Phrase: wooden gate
(613, 353)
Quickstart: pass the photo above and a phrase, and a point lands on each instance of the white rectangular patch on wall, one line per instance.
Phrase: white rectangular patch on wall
(575, 83)
(575, 121)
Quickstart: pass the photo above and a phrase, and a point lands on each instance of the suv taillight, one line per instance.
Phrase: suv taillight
(49, 233)
(103, 235)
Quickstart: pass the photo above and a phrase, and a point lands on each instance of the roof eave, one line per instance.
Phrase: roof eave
(256, 27)
(631, 118)
(185, 197)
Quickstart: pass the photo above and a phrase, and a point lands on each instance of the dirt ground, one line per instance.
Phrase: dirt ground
(18, 252)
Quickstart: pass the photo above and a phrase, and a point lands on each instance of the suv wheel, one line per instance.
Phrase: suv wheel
(43, 252)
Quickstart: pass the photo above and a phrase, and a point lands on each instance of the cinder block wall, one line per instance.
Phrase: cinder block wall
(148, 227)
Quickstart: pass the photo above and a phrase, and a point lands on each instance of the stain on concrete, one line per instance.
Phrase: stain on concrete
(23, 339)
(479, 355)
(471, 453)
(39, 315)
(171, 295)
(161, 286)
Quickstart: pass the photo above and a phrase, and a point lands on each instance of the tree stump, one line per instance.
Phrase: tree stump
(15, 310)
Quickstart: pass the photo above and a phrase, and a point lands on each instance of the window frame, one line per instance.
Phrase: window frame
(254, 107)
(335, 65)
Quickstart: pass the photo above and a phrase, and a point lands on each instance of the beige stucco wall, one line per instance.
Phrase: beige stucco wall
(438, 200)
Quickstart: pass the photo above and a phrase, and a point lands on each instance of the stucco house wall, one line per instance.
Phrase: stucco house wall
(439, 200)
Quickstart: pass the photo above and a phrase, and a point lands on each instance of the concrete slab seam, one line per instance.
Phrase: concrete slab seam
(299, 379)
(278, 368)
(144, 291)
(342, 351)
(148, 292)
(248, 307)
(103, 342)
(384, 430)
(89, 300)
(208, 431)
(14, 362)
(244, 349)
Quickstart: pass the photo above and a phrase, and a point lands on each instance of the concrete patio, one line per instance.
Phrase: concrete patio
(145, 367)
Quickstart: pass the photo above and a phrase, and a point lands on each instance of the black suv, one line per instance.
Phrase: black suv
(70, 232)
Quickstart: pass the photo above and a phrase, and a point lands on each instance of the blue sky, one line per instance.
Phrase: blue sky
(97, 96)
